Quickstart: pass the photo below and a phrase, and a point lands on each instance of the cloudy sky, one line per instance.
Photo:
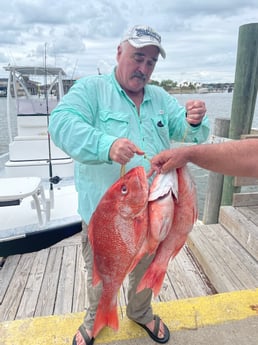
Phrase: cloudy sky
(200, 37)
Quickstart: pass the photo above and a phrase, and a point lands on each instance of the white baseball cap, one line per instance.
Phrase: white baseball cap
(141, 36)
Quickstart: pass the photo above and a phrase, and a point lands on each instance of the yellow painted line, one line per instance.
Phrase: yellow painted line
(190, 313)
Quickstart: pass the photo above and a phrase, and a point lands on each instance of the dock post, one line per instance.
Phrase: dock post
(245, 93)
(215, 180)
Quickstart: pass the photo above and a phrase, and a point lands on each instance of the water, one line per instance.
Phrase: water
(218, 106)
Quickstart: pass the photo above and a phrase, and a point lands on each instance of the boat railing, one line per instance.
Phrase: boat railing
(35, 106)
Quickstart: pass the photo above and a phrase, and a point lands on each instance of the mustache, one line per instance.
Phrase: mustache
(139, 75)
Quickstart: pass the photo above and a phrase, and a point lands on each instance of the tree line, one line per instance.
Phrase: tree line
(170, 85)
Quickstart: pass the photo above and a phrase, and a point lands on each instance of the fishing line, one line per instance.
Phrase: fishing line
(122, 170)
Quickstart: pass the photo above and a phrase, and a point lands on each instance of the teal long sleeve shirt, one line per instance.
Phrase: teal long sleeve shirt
(95, 112)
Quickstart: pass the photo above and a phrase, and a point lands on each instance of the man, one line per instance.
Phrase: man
(108, 120)
(234, 158)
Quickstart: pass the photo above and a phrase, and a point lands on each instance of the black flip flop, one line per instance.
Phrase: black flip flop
(154, 334)
(85, 335)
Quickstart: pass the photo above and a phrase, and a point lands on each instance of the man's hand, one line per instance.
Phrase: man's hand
(195, 111)
(122, 150)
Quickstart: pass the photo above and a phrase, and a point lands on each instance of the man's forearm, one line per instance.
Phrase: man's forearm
(230, 158)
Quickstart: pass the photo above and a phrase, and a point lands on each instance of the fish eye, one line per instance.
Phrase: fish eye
(124, 189)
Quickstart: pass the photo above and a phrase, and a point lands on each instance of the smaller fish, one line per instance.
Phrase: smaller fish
(185, 215)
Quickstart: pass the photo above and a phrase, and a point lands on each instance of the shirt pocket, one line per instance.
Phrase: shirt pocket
(114, 123)
(160, 128)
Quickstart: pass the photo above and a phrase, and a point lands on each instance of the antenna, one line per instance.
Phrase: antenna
(75, 66)
(52, 179)
(50, 169)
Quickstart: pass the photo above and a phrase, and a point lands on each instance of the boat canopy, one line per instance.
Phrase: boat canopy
(32, 70)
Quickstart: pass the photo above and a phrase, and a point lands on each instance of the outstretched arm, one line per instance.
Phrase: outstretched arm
(235, 158)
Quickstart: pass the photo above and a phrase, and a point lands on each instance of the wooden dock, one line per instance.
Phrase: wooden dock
(217, 258)
(52, 281)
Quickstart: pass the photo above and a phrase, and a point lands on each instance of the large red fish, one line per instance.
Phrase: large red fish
(184, 215)
(117, 230)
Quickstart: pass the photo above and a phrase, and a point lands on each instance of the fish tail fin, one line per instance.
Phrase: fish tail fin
(105, 318)
(152, 279)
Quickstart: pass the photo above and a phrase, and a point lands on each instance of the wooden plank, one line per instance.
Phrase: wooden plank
(47, 295)
(241, 228)
(80, 293)
(6, 274)
(221, 264)
(63, 303)
(251, 213)
(244, 266)
(167, 291)
(248, 263)
(245, 199)
(16, 287)
(245, 181)
(186, 278)
(253, 135)
(69, 241)
(209, 260)
(33, 285)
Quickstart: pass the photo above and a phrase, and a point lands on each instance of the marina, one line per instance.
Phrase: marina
(218, 258)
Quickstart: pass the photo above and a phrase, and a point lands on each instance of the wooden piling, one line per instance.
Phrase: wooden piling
(245, 93)
(215, 180)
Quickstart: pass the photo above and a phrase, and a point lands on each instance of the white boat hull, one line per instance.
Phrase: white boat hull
(33, 154)
(21, 221)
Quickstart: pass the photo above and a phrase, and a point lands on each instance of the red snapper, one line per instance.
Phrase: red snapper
(183, 215)
(117, 231)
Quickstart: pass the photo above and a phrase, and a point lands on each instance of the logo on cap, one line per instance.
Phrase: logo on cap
(146, 32)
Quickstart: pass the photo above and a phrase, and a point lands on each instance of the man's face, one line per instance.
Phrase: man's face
(135, 66)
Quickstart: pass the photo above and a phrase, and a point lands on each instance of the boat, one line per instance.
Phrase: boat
(203, 90)
(3, 91)
(38, 200)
